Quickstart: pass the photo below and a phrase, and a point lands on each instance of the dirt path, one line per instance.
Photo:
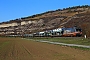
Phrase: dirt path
(18, 49)
(58, 43)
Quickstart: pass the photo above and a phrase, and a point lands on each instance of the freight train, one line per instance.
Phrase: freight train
(59, 32)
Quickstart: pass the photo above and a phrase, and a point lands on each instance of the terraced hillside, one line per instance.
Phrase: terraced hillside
(68, 17)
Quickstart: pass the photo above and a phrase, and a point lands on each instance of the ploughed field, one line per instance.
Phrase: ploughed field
(21, 49)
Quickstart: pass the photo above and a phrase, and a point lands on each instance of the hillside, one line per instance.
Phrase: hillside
(68, 17)
(82, 20)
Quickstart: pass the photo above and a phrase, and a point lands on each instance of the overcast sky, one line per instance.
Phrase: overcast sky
(12, 9)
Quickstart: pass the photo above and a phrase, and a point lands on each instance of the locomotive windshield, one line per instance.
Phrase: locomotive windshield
(79, 30)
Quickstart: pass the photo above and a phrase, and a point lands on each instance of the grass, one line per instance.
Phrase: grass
(81, 48)
(68, 40)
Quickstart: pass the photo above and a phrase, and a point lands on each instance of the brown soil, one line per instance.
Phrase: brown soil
(21, 49)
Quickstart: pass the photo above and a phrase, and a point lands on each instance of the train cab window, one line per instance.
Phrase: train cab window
(79, 30)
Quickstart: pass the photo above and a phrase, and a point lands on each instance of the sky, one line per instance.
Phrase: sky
(14, 9)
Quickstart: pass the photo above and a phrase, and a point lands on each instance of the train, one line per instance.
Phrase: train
(59, 32)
